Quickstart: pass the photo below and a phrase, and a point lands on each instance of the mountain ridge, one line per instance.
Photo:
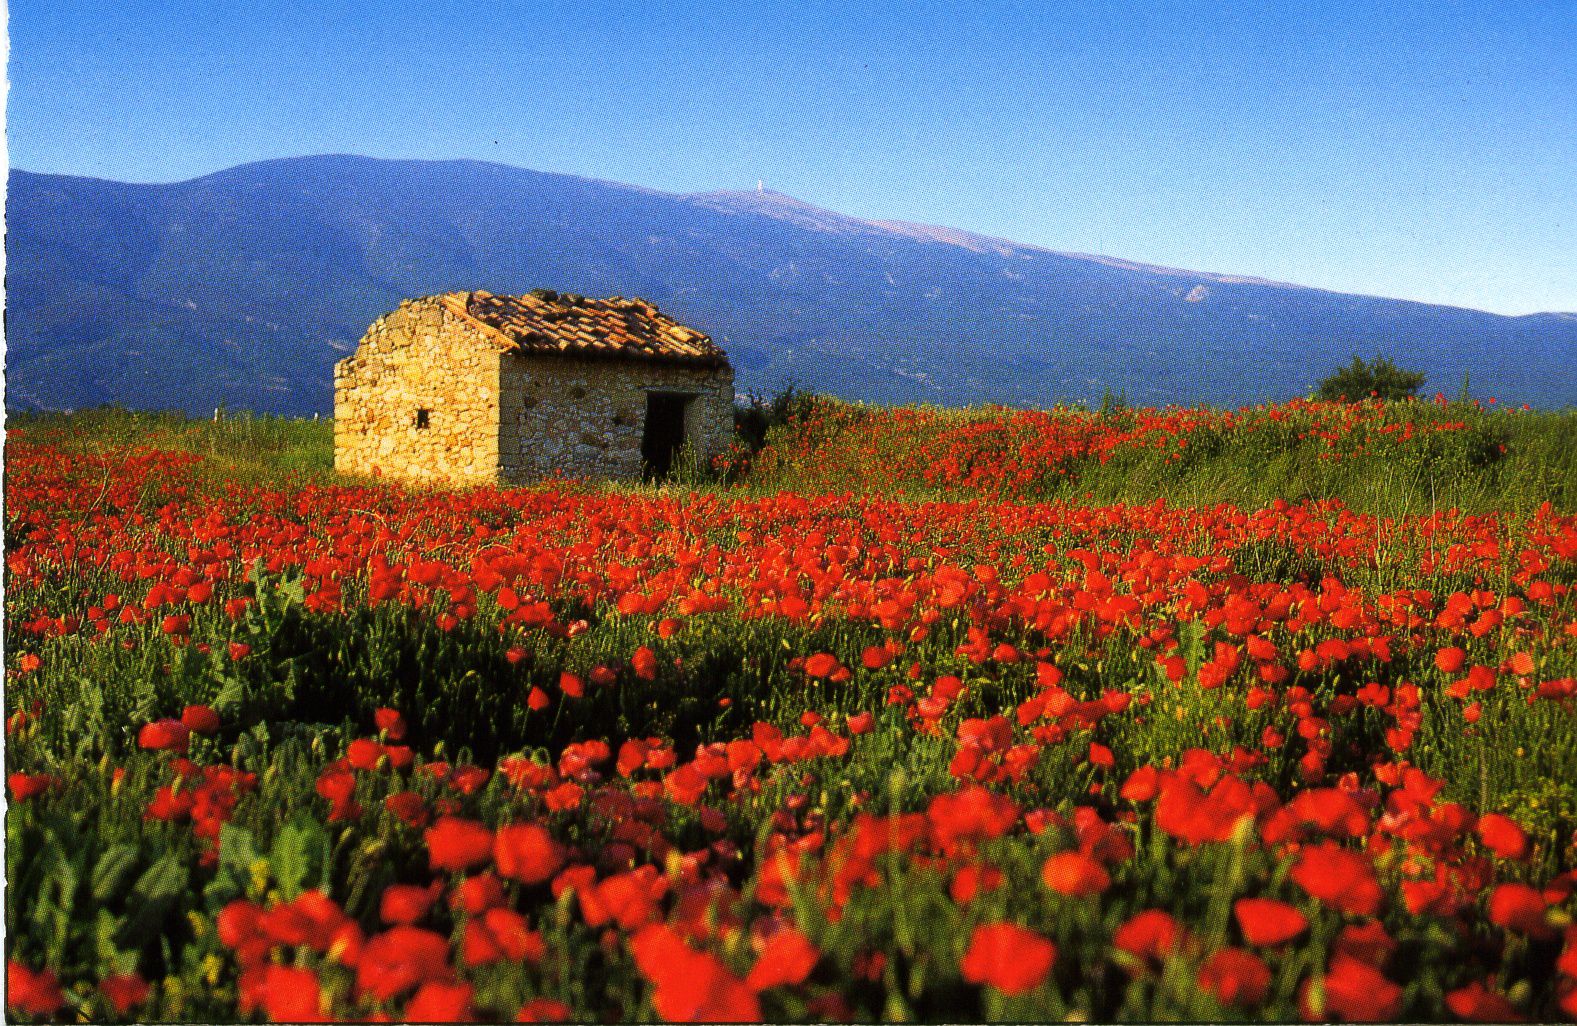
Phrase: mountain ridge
(253, 279)
(925, 230)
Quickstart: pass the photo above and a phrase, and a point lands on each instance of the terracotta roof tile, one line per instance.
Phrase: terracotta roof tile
(549, 323)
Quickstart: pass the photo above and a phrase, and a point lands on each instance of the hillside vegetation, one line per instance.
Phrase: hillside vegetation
(1393, 459)
(861, 730)
(1390, 458)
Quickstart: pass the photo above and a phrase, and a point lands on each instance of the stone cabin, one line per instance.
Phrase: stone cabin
(473, 388)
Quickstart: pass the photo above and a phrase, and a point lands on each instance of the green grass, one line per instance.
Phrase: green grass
(1494, 460)
(1462, 469)
(100, 886)
(242, 447)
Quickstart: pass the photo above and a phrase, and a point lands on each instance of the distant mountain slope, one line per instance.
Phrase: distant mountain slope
(244, 286)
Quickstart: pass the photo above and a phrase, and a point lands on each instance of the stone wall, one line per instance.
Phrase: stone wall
(587, 417)
(420, 357)
(493, 417)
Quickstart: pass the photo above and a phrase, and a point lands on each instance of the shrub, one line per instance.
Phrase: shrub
(759, 415)
(1377, 378)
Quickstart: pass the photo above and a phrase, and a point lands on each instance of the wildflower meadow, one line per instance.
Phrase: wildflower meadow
(1267, 714)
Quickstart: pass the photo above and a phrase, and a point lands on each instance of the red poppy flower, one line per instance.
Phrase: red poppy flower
(469, 779)
(1008, 957)
(972, 880)
(336, 785)
(822, 664)
(405, 903)
(476, 894)
(237, 923)
(1265, 921)
(1567, 963)
(30, 992)
(363, 753)
(1075, 874)
(401, 958)
(1342, 879)
(164, 735)
(124, 992)
(1235, 977)
(743, 756)
(785, 961)
(564, 797)
(527, 852)
(169, 806)
(690, 985)
(1367, 942)
(644, 663)
(311, 919)
(1151, 934)
(1142, 784)
(408, 807)
(1355, 992)
(200, 719)
(630, 898)
(501, 933)
(970, 814)
(1503, 836)
(390, 722)
(685, 784)
(437, 1001)
(27, 785)
(458, 844)
(1190, 814)
(292, 994)
(875, 657)
(1521, 908)
(1477, 1003)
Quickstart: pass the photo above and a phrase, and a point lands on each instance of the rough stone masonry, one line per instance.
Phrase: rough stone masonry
(471, 388)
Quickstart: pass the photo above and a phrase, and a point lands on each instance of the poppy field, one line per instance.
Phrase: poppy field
(907, 716)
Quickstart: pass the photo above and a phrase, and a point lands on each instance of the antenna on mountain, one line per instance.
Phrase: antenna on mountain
(761, 186)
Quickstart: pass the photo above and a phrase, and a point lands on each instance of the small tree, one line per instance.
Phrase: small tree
(1378, 377)
(759, 415)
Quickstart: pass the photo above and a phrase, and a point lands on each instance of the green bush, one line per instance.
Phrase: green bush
(1379, 378)
(759, 415)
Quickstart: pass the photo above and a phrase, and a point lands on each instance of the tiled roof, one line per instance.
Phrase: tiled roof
(544, 322)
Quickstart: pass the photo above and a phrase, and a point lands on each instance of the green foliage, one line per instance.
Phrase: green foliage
(1497, 459)
(759, 415)
(1386, 458)
(238, 447)
(98, 886)
(1378, 379)
(690, 469)
(300, 856)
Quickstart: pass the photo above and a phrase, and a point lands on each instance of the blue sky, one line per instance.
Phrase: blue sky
(1424, 151)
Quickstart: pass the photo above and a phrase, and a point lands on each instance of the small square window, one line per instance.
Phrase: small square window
(423, 419)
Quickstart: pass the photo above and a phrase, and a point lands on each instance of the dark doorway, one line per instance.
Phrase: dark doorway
(664, 433)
